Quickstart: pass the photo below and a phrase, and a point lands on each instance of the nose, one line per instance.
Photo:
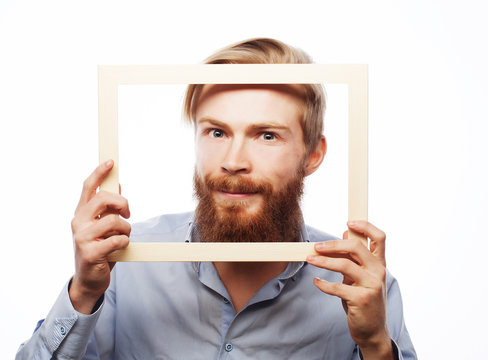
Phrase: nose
(236, 159)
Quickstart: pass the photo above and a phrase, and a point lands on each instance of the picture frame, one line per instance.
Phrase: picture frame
(355, 76)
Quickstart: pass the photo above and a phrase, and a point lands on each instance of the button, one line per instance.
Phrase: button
(62, 330)
(228, 347)
(226, 301)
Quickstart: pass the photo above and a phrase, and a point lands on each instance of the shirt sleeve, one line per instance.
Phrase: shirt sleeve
(358, 356)
(402, 344)
(64, 334)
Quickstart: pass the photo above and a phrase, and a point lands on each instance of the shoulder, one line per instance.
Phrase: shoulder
(316, 235)
(169, 227)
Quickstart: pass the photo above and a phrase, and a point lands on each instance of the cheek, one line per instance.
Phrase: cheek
(280, 165)
(200, 163)
(206, 158)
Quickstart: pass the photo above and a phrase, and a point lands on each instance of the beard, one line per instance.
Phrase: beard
(277, 219)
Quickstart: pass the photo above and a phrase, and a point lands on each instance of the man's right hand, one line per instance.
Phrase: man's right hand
(98, 230)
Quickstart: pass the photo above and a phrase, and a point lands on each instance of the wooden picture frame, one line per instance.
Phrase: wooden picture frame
(355, 76)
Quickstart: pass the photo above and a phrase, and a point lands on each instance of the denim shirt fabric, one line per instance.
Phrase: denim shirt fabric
(181, 310)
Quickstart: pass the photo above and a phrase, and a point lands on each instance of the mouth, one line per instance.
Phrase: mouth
(236, 195)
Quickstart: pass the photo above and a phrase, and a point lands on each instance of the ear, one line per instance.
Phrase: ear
(316, 157)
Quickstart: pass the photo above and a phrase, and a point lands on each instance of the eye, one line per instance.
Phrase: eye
(268, 136)
(216, 133)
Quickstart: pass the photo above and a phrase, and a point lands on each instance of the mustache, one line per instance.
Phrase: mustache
(277, 219)
(237, 184)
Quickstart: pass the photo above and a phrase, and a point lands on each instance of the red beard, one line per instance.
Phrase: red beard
(278, 218)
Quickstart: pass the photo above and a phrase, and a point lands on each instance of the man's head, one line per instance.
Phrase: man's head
(270, 51)
(255, 144)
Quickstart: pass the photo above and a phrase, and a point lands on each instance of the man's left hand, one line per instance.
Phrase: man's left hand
(363, 290)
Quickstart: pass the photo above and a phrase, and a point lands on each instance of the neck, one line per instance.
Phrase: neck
(242, 280)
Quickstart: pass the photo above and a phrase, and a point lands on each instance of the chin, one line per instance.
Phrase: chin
(241, 207)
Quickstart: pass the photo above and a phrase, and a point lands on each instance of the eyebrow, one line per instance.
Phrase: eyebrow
(259, 126)
(268, 125)
(212, 121)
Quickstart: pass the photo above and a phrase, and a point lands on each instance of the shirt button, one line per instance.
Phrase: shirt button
(228, 347)
(62, 330)
(226, 301)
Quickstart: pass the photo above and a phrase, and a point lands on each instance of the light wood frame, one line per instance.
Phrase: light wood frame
(353, 75)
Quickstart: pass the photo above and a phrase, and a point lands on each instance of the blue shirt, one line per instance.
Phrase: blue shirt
(181, 310)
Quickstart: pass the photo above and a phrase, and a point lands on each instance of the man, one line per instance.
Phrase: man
(255, 144)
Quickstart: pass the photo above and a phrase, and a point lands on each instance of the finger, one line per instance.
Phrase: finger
(96, 252)
(102, 229)
(377, 236)
(115, 242)
(345, 235)
(91, 183)
(348, 268)
(345, 292)
(107, 226)
(102, 203)
(352, 249)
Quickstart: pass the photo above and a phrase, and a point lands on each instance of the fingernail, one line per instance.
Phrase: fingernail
(320, 246)
(108, 163)
(311, 258)
(317, 279)
(351, 223)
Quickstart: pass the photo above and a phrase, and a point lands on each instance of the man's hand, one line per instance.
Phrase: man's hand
(363, 291)
(98, 230)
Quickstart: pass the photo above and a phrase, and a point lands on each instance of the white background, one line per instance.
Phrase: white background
(428, 129)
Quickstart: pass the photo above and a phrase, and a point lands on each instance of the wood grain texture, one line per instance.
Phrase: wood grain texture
(353, 75)
(245, 252)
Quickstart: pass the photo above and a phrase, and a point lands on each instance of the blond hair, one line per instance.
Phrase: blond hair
(269, 51)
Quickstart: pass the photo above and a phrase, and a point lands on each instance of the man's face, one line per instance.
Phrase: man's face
(250, 153)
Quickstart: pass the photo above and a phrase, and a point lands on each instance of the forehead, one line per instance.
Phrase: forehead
(260, 102)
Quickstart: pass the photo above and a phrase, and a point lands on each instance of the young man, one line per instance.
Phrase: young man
(255, 144)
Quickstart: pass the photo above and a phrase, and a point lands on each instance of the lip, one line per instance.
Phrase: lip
(236, 195)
